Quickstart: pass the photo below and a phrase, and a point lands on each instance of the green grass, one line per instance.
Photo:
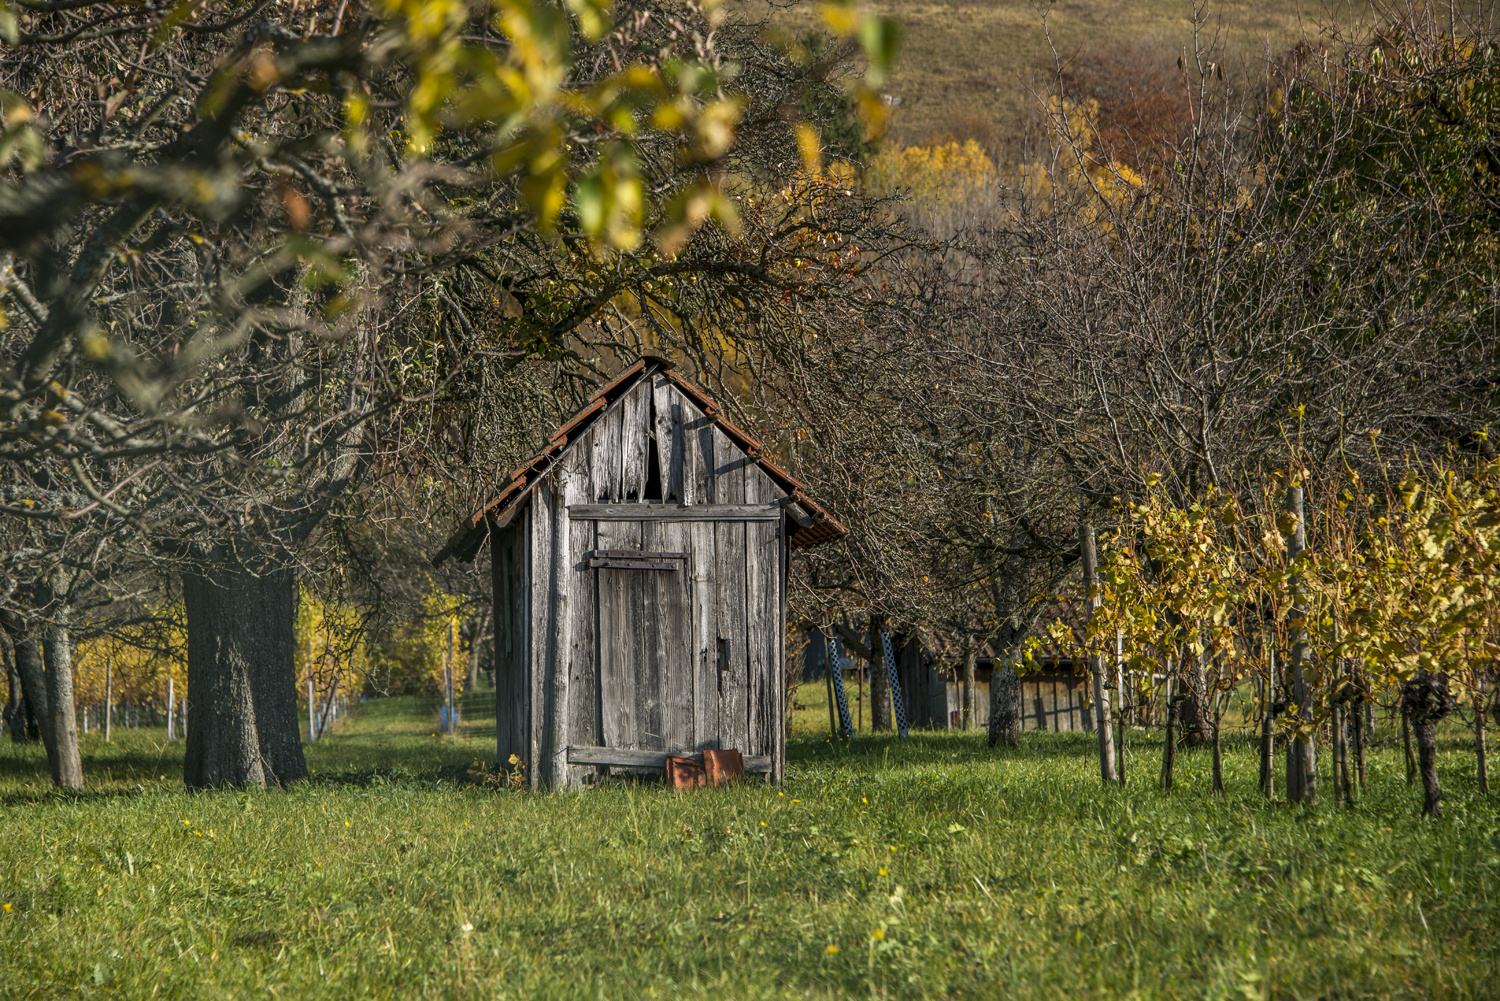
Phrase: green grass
(937, 868)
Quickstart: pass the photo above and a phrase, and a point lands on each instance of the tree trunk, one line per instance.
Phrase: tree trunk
(15, 715)
(1005, 703)
(1341, 754)
(1102, 722)
(1302, 755)
(1427, 700)
(57, 652)
(1359, 740)
(1411, 761)
(971, 657)
(1169, 748)
(1268, 732)
(34, 686)
(1480, 758)
(1218, 761)
(242, 696)
(1432, 792)
(880, 679)
(1192, 715)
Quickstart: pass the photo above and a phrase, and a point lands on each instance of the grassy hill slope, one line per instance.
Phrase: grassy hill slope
(970, 69)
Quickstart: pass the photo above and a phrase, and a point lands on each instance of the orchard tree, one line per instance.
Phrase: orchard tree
(252, 250)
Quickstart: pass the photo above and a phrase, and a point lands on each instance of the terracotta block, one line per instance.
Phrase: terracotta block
(723, 767)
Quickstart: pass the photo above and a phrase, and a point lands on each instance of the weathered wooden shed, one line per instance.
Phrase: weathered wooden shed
(639, 566)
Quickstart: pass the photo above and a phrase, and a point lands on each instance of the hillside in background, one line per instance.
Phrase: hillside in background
(971, 69)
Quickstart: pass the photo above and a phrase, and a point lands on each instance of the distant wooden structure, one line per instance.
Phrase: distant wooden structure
(639, 566)
(1052, 698)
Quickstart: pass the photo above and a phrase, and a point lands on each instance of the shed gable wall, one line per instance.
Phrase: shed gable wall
(653, 660)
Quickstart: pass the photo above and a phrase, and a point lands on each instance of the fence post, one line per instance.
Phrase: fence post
(1107, 772)
(312, 710)
(171, 707)
(108, 692)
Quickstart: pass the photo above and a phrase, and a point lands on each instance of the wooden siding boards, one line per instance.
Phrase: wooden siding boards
(760, 561)
(512, 658)
(583, 682)
(668, 414)
(673, 636)
(604, 451)
(560, 572)
(635, 426)
(730, 571)
(696, 431)
(539, 604)
(618, 646)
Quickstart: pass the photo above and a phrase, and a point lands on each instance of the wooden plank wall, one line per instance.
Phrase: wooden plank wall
(512, 641)
(911, 670)
(1049, 701)
(652, 660)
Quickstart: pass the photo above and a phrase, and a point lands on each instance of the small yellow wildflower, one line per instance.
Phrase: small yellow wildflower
(882, 872)
(864, 801)
(346, 823)
(8, 908)
(763, 823)
(878, 934)
(832, 950)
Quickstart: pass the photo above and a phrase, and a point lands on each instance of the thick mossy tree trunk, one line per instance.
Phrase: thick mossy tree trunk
(880, 679)
(1005, 705)
(1426, 700)
(242, 687)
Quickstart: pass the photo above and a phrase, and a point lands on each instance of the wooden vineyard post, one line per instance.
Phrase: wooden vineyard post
(1268, 729)
(1302, 760)
(1102, 727)
(971, 655)
(1169, 747)
(1120, 710)
(108, 694)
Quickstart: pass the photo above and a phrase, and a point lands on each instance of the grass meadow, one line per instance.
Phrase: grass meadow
(973, 69)
(932, 868)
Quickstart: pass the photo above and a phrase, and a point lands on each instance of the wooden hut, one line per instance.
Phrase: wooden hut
(639, 566)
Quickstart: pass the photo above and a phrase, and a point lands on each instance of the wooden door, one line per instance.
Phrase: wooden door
(644, 636)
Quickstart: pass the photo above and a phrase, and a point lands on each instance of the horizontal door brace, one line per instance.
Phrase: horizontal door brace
(675, 512)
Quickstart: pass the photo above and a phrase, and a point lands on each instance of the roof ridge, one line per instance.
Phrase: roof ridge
(466, 540)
